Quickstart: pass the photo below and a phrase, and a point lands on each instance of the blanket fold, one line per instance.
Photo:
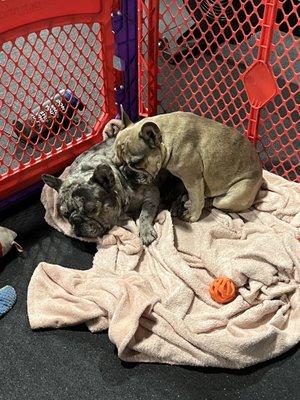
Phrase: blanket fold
(155, 301)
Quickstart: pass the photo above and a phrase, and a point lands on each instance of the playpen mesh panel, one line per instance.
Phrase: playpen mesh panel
(205, 47)
(33, 70)
(51, 94)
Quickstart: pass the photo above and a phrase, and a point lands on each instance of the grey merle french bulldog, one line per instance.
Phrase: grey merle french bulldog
(97, 195)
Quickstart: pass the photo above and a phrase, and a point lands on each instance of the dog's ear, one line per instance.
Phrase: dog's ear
(104, 176)
(124, 117)
(151, 134)
(52, 181)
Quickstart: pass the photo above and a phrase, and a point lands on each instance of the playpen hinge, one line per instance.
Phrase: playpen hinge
(119, 94)
(116, 21)
(148, 18)
(124, 28)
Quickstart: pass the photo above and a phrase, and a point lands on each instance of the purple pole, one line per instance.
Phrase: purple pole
(124, 25)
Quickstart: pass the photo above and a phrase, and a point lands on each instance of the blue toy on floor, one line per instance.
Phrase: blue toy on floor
(8, 297)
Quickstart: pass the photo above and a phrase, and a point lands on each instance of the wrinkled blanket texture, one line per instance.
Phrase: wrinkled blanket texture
(155, 301)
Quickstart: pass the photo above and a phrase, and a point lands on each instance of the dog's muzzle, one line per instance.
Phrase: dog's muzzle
(86, 227)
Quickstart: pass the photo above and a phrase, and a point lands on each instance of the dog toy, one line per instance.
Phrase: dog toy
(55, 114)
(7, 240)
(223, 290)
(8, 297)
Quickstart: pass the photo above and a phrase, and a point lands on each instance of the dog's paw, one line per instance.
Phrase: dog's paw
(112, 128)
(186, 216)
(190, 215)
(148, 235)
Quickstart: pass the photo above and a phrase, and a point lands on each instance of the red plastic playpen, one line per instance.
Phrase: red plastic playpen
(231, 60)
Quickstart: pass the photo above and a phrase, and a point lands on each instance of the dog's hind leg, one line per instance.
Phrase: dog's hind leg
(196, 202)
(240, 196)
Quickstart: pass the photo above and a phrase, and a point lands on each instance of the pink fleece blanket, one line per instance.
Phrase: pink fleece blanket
(155, 301)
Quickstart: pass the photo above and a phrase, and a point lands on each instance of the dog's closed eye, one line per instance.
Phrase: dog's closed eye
(91, 208)
(136, 162)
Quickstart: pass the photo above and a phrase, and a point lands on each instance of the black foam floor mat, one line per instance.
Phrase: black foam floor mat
(76, 364)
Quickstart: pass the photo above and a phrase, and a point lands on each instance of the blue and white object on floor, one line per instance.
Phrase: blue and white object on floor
(8, 297)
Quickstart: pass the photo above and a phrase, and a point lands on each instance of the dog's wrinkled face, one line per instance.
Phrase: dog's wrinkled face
(140, 149)
(92, 207)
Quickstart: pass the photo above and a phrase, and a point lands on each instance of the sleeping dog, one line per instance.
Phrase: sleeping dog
(97, 195)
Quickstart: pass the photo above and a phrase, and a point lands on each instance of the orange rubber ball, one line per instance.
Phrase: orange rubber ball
(223, 290)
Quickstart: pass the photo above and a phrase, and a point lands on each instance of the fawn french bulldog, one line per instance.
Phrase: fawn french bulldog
(215, 163)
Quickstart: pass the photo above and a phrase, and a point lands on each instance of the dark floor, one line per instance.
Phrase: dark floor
(75, 364)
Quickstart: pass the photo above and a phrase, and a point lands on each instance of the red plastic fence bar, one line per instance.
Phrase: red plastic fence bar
(15, 13)
(259, 82)
(148, 68)
(141, 61)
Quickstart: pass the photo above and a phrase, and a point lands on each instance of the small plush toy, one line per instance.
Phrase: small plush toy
(54, 115)
(8, 295)
(7, 240)
(223, 290)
